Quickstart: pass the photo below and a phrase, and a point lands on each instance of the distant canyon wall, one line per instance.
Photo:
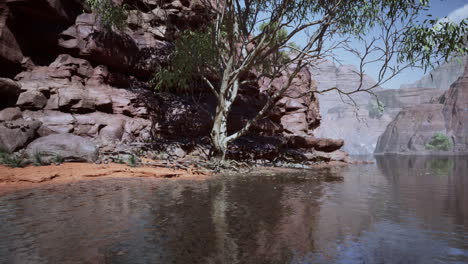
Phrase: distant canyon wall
(441, 77)
(414, 127)
(356, 122)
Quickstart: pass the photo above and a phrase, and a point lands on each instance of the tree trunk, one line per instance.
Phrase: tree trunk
(219, 135)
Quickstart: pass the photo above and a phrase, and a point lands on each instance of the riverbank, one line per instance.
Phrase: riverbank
(13, 179)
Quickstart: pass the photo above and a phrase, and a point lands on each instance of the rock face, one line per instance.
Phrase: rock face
(341, 119)
(415, 126)
(298, 115)
(68, 75)
(29, 30)
(356, 122)
(67, 146)
(441, 77)
(71, 96)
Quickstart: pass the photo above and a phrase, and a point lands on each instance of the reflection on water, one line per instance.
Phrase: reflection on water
(400, 210)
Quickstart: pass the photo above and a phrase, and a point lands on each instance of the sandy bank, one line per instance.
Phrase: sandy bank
(17, 178)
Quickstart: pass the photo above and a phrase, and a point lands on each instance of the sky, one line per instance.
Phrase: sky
(455, 10)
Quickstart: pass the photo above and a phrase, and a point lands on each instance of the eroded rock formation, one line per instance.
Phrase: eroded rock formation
(441, 77)
(354, 120)
(414, 126)
(68, 75)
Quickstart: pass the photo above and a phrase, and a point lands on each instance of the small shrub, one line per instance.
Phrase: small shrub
(14, 161)
(119, 160)
(110, 14)
(3, 154)
(58, 159)
(439, 142)
(37, 159)
(376, 108)
(132, 161)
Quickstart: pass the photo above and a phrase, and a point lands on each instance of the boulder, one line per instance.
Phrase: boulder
(319, 144)
(53, 122)
(68, 146)
(9, 92)
(318, 156)
(75, 100)
(16, 134)
(10, 114)
(32, 100)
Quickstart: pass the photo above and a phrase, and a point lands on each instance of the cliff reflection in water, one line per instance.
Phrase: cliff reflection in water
(400, 210)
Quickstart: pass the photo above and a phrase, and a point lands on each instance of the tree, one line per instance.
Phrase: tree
(241, 49)
(388, 31)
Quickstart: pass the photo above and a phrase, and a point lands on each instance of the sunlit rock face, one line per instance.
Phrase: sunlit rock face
(352, 119)
(414, 127)
(341, 119)
(67, 73)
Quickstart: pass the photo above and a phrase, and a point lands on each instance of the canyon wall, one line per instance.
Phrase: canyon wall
(64, 73)
(414, 127)
(353, 119)
(442, 76)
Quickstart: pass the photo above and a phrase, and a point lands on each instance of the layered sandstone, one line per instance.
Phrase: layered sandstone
(82, 80)
(415, 126)
(352, 118)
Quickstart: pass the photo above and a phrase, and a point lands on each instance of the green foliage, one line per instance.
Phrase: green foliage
(4, 152)
(119, 160)
(132, 161)
(376, 108)
(110, 14)
(439, 142)
(37, 159)
(194, 50)
(424, 44)
(13, 160)
(278, 37)
(58, 159)
(441, 167)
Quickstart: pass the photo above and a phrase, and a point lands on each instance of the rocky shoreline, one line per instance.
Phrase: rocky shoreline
(87, 95)
(39, 175)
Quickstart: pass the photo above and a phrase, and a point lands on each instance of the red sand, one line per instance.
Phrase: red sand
(12, 179)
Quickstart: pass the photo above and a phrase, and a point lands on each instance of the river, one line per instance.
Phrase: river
(398, 210)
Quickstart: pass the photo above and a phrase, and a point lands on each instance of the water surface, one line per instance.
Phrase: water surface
(399, 210)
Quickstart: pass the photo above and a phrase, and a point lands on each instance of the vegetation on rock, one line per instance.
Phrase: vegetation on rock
(439, 142)
(13, 160)
(111, 14)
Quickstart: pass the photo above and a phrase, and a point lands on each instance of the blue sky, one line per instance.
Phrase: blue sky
(454, 9)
